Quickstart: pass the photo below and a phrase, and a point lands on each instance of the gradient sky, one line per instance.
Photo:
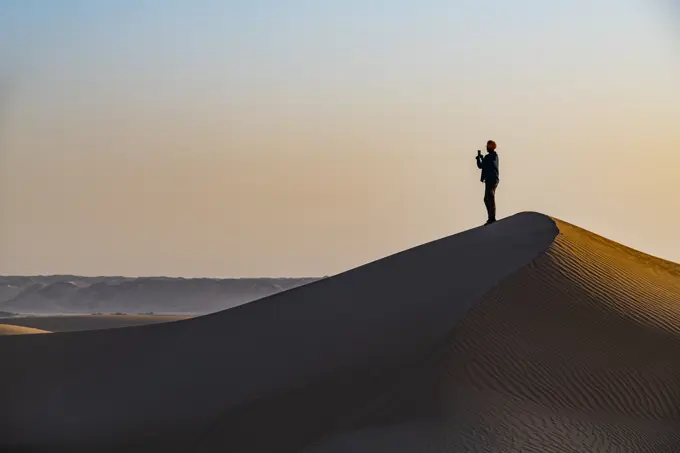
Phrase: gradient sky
(300, 137)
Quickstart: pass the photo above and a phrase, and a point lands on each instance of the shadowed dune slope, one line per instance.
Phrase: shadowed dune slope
(73, 323)
(517, 337)
(162, 387)
(7, 329)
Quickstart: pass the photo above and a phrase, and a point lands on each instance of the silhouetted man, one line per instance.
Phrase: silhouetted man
(489, 166)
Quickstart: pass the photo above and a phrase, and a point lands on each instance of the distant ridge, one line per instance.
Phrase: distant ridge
(70, 294)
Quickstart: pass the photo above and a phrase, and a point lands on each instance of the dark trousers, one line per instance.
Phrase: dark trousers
(490, 199)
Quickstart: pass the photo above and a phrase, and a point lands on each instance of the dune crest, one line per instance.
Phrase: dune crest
(527, 335)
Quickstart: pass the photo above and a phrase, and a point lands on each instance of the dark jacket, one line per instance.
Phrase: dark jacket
(489, 166)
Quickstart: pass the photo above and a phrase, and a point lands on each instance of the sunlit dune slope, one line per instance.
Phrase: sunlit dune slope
(6, 329)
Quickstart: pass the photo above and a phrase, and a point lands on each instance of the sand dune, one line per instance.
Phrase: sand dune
(530, 335)
(6, 329)
(75, 323)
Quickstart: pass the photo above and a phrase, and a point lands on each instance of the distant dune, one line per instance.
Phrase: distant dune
(6, 329)
(88, 322)
(68, 294)
(529, 335)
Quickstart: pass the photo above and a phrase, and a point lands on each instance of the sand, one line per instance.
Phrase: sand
(73, 323)
(6, 329)
(529, 335)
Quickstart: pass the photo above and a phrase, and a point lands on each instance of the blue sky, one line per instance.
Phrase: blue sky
(465, 37)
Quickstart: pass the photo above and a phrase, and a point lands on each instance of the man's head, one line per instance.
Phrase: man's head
(491, 145)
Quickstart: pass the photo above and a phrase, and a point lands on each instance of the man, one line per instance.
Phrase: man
(489, 166)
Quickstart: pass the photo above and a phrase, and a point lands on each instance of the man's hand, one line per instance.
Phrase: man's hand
(479, 154)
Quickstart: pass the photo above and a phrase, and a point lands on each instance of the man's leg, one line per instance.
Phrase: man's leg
(490, 200)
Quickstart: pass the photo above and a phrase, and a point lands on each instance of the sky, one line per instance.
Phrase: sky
(207, 138)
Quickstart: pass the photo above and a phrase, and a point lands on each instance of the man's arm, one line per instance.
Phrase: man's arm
(480, 161)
